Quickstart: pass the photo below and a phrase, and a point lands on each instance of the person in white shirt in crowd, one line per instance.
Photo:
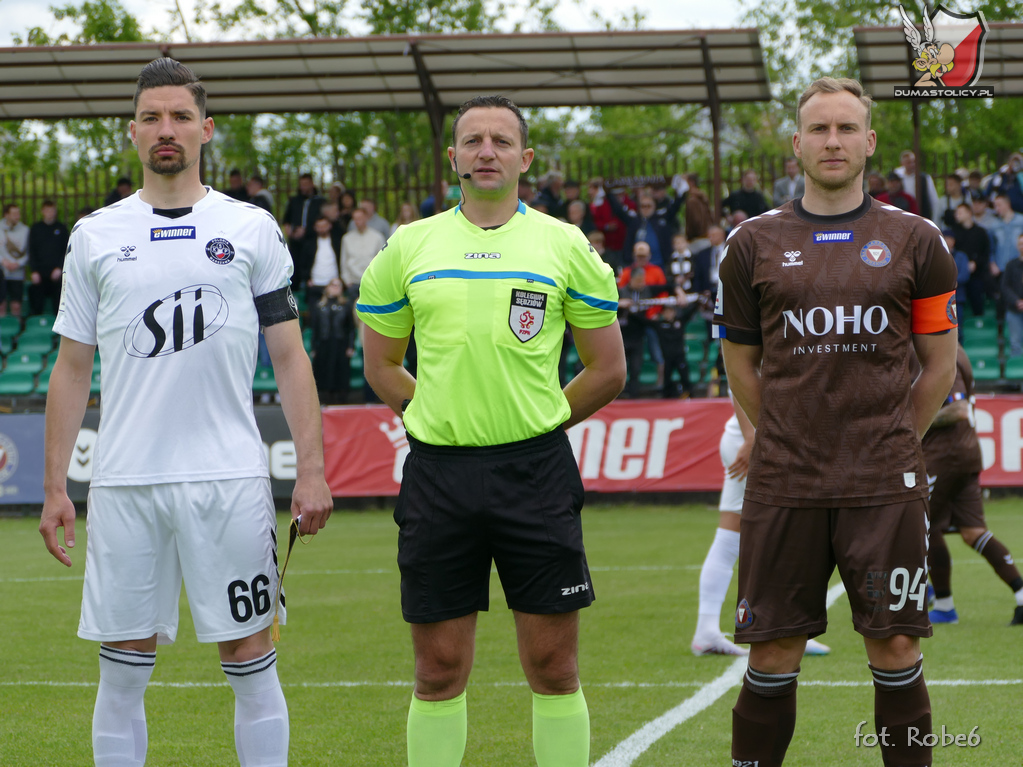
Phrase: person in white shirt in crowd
(324, 261)
(358, 247)
(13, 256)
(373, 219)
(927, 199)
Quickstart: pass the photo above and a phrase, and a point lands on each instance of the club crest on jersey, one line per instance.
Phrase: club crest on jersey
(876, 253)
(525, 317)
(220, 251)
(172, 233)
(743, 615)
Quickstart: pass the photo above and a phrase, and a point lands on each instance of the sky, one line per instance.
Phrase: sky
(17, 16)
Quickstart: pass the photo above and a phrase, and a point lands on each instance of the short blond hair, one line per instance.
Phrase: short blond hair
(834, 85)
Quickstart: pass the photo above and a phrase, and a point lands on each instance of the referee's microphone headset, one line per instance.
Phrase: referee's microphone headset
(462, 175)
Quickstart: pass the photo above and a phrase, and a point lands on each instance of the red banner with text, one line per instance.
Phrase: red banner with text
(642, 446)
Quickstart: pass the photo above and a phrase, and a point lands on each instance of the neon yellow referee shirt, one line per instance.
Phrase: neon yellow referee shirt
(489, 308)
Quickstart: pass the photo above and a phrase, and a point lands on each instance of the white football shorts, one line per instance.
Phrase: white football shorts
(219, 536)
(733, 490)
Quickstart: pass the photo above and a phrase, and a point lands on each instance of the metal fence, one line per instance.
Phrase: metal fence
(391, 184)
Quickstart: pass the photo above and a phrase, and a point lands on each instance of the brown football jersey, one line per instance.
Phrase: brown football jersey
(955, 449)
(835, 301)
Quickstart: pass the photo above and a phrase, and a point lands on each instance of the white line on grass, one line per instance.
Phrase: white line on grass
(630, 749)
(605, 685)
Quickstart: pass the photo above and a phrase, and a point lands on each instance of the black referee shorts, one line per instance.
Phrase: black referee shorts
(517, 505)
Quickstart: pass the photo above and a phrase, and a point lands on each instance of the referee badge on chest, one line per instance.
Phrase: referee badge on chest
(525, 317)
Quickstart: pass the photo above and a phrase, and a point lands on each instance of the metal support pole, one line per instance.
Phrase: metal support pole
(715, 120)
(435, 111)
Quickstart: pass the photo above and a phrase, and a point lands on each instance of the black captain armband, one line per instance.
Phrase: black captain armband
(276, 307)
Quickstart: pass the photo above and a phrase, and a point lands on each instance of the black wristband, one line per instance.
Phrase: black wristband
(404, 404)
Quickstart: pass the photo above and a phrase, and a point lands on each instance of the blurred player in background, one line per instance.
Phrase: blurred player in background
(490, 476)
(820, 303)
(172, 284)
(954, 463)
(716, 573)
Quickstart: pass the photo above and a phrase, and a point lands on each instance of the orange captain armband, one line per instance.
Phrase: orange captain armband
(935, 314)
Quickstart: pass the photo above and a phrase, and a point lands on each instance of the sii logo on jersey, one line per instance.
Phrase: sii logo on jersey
(176, 322)
(482, 255)
(172, 233)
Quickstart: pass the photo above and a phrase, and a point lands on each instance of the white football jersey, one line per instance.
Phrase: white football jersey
(170, 304)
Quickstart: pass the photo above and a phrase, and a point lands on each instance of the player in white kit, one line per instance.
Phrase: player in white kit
(172, 285)
(716, 573)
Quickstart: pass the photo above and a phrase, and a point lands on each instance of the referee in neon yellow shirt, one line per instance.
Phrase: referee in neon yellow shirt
(490, 475)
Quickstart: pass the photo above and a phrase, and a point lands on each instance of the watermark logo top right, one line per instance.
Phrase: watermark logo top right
(948, 54)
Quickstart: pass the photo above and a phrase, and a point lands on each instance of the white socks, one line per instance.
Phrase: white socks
(260, 712)
(715, 576)
(944, 604)
(119, 736)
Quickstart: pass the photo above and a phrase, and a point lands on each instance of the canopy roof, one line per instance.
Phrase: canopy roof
(886, 60)
(397, 72)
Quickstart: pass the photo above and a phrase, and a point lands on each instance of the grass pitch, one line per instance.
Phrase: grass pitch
(345, 658)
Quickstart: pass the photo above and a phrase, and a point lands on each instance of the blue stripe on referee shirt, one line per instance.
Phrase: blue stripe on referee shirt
(382, 309)
(596, 303)
(464, 274)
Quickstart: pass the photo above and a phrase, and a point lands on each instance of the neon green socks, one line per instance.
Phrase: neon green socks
(561, 730)
(436, 732)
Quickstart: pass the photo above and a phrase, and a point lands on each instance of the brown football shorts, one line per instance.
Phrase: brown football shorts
(787, 556)
(956, 501)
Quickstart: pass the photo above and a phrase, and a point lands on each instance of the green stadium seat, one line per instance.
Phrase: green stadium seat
(40, 321)
(35, 344)
(648, 375)
(571, 357)
(264, 382)
(6, 345)
(16, 384)
(43, 384)
(94, 386)
(24, 362)
(9, 326)
(976, 351)
(356, 361)
(1014, 368)
(986, 369)
(307, 339)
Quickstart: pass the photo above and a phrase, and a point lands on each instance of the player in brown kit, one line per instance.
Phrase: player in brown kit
(954, 462)
(820, 304)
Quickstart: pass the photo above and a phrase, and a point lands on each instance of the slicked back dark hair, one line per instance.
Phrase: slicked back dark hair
(167, 71)
(491, 102)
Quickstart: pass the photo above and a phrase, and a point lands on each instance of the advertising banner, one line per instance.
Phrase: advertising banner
(637, 446)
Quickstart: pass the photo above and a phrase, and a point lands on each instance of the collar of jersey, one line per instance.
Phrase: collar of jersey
(198, 206)
(510, 223)
(842, 218)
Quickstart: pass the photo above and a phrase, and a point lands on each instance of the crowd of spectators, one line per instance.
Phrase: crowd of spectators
(659, 235)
